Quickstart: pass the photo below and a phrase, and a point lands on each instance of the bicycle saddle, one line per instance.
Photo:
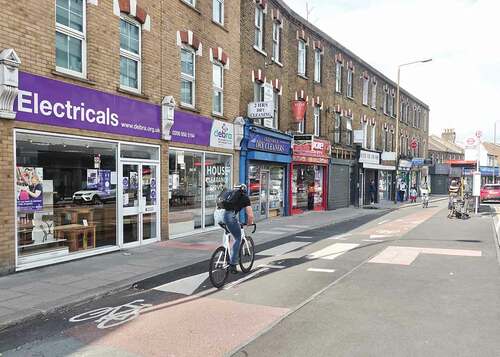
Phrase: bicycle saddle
(224, 227)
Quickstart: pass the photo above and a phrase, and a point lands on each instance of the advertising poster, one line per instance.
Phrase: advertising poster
(104, 184)
(92, 179)
(153, 191)
(29, 188)
(134, 180)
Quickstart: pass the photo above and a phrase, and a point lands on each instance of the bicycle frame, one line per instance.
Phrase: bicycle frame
(226, 243)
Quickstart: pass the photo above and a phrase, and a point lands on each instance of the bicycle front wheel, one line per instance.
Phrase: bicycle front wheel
(218, 269)
(247, 254)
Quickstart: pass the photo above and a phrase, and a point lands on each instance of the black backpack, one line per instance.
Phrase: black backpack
(228, 200)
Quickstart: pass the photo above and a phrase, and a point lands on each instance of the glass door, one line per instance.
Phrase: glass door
(264, 194)
(140, 206)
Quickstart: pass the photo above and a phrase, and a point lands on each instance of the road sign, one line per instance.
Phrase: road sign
(471, 141)
(479, 133)
(413, 144)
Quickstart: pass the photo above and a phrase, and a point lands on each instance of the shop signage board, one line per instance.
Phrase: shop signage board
(222, 135)
(261, 142)
(46, 101)
(358, 136)
(369, 157)
(313, 151)
(268, 92)
(417, 162)
(299, 110)
(260, 110)
(389, 156)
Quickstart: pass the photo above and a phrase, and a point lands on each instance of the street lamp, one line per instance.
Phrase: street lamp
(397, 114)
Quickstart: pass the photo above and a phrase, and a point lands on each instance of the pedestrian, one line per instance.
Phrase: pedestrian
(372, 190)
(413, 194)
(311, 192)
(402, 190)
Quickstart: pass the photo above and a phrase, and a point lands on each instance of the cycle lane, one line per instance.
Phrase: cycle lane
(217, 321)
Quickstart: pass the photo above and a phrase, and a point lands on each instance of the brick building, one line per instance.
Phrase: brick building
(443, 149)
(292, 60)
(96, 157)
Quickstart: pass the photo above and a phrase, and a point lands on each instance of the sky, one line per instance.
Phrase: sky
(461, 84)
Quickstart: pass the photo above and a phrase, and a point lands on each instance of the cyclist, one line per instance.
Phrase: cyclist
(237, 201)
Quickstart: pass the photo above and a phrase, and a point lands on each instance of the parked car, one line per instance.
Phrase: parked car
(490, 192)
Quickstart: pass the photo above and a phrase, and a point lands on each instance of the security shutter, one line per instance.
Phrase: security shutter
(338, 187)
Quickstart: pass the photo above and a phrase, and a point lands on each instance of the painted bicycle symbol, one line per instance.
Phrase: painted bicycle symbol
(107, 317)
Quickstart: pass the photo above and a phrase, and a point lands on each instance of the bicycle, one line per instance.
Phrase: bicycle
(218, 269)
(107, 317)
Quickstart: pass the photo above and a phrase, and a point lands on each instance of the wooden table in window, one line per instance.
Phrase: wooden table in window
(72, 233)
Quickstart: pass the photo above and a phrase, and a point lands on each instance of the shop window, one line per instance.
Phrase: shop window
(66, 196)
(218, 11)
(307, 188)
(259, 28)
(266, 188)
(130, 54)
(218, 88)
(71, 37)
(195, 181)
(302, 58)
(188, 75)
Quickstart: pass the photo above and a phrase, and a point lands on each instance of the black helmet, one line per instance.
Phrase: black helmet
(241, 186)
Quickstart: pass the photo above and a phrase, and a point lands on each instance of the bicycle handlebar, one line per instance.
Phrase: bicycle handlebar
(250, 225)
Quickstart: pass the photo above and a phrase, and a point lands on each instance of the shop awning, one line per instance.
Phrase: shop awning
(379, 167)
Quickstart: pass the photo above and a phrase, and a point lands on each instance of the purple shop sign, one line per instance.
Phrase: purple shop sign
(46, 101)
(191, 129)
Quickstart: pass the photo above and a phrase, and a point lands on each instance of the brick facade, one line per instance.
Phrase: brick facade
(29, 28)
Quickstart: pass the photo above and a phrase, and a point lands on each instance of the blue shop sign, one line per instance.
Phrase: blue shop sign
(417, 162)
(489, 171)
(262, 142)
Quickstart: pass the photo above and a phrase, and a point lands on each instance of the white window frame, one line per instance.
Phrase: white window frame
(366, 86)
(338, 77)
(348, 131)
(365, 135)
(133, 56)
(221, 3)
(317, 66)
(374, 95)
(337, 122)
(276, 56)
(189, 78)
(276, 101)
(216, 89)
(317, 120)
(373, 137)
(258, 96)
(259, 28)
(81, 36)
(301, 58)
(350, 83)
(190, 2)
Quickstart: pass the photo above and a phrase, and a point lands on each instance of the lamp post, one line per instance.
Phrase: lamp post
(397, 114)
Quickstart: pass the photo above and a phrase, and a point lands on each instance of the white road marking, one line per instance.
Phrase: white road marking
(384, 221)
(373, 240)
(379, 236)
(286, 229)
(341, 236)
(407, 255)
(271, 266)
(321, 270)
(332, 251)
(274, 233)
(284, 248)
(297, 226)
(249, 276)
(186, 286)
(303, 237)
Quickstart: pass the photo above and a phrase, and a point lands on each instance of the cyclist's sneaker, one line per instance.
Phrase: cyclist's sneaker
(233, 269)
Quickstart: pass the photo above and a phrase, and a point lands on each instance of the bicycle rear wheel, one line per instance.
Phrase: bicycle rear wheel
(247, 254)
(218, 269)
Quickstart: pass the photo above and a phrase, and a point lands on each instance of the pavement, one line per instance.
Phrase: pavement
(34, 293)
(406, 282)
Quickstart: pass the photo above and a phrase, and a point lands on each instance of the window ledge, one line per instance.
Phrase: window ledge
(131, 92)
(76, 78)
(218, 24)
(191, 6)
(350, 98)
(374, 109)
(262, 52)
(278, 63)
(219, 116)
(318, 83)
(189, 108)
(338, 93)
(303, 76)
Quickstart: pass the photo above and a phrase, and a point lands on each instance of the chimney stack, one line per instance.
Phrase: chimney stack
(449, 135)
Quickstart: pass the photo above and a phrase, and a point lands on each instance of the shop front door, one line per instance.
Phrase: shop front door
(139, 203)
(264, 194)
